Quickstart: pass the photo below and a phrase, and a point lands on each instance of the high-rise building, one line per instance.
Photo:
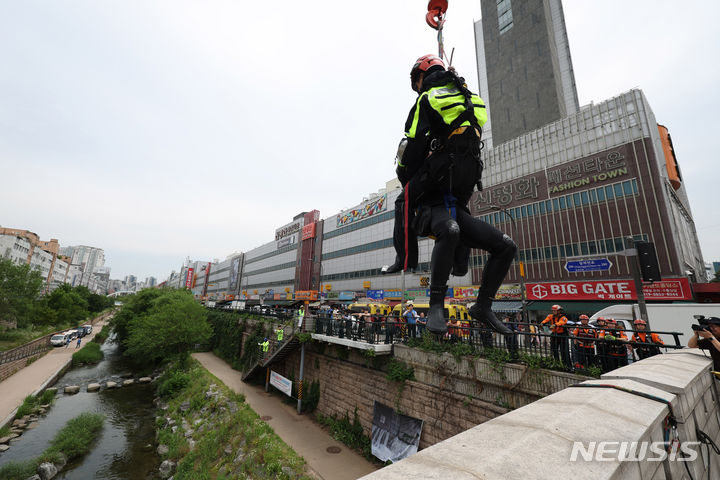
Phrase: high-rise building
(524, 67)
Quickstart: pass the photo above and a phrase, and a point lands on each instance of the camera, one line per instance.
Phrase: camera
(702, 323)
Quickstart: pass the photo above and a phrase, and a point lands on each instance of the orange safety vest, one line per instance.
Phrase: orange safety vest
(556, 324)
(642, 337)
(584, 335)
(618, 349)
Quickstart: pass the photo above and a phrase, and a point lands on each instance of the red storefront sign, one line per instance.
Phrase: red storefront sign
(669, 289)
(308, 231)
(189, 278)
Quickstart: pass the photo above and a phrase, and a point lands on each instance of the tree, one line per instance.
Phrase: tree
(20, 287)
(134, 306)
(69, 306)
(173, 324)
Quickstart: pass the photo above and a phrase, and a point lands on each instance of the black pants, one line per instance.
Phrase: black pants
(586, 356)
(468, 232)
(559, 347)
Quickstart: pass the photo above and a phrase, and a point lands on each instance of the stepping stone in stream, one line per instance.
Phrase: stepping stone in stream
(145, 380)
(111, 384)
(8, 438)
(71, 389)
(93, 387)
(128, 382)
(4, 448)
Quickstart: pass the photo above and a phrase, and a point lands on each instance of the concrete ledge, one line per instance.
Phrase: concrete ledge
(536, 441)
(379, 348)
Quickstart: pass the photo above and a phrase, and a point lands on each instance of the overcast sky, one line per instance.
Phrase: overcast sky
(158, 130)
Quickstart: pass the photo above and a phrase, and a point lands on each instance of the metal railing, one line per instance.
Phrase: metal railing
(560, 351)
(27, 350)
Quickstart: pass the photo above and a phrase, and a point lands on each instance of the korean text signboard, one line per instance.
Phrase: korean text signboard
(603, 167)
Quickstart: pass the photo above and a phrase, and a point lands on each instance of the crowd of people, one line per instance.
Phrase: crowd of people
(606, 344)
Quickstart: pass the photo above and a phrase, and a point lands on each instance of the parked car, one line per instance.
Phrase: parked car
(88, 329)
(71, 334)
(58, 340)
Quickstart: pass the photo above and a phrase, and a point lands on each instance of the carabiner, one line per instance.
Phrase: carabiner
(436, 12)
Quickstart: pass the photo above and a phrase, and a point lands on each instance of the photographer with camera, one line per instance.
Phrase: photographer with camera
(709, 330)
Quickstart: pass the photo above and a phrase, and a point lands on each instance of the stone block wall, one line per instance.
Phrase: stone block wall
(347, 384)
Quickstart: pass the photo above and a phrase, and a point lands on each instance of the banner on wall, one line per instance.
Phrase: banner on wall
(281, 383)
(394, 436)
(362, 212)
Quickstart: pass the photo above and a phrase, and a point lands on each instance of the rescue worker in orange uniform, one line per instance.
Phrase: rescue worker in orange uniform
(617, 346)
(649, 339)
(558, 338)
(586, 335)
(602, 348)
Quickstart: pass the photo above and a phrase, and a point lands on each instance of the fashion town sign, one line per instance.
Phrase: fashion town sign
(667, 289)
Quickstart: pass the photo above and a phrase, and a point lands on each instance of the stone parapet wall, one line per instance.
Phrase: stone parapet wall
(627, 405)
(9, 368)
(510, 384)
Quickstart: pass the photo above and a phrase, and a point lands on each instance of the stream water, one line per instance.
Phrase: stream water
(125, 449)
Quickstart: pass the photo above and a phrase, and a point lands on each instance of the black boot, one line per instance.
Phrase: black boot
(436, 314)
(394, 268)
(482, 311)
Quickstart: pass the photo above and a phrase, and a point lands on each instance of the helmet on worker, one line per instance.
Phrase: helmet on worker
(584, 318)
(640, 322)
(423, 65)
(556, 308)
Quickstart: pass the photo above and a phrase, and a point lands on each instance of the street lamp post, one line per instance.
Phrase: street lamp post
(523, 304)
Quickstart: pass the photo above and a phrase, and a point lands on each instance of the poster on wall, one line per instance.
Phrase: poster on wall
(394, 436)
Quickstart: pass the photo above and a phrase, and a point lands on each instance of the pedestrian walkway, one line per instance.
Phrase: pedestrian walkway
(300, 432)
(22, 383)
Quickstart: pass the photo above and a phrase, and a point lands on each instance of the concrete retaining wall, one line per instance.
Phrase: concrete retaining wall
(537, 441)
(449, 395)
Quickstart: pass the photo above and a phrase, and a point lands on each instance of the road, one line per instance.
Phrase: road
(300, 432)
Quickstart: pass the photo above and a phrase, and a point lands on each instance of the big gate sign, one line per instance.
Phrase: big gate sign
(668, 289)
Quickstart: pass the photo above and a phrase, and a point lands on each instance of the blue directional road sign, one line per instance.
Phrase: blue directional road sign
(591, 265)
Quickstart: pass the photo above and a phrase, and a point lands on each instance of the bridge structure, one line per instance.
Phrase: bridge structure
(121, 293)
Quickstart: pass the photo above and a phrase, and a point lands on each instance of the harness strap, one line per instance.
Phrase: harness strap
(450, 204)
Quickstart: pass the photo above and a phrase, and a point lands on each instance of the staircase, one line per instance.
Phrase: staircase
(279, 353)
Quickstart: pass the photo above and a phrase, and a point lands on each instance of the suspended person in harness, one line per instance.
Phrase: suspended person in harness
(651, 341)
(440, 159)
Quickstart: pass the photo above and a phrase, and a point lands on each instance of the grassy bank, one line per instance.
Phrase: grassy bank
(73, 441)
(226, 438)
(31, 403)
(89, 354)
(102, 335)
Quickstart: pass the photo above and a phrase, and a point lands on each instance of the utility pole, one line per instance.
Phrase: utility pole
(632, 255)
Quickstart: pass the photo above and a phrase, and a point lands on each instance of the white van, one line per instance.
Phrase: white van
(88, 329)
(58, 340)
(669, 317)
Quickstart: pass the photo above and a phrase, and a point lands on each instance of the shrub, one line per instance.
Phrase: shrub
(175, 381)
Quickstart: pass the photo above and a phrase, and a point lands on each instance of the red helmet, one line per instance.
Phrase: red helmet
(601, 319)
(640, 321)
(556, 308)
(422, 65)
(584, 317)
